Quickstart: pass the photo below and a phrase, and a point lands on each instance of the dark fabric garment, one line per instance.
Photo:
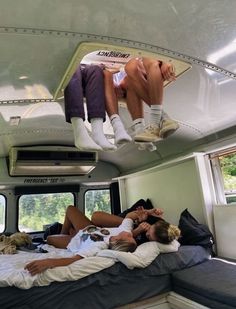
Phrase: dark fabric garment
(145, 204)
(193, 232)
(86, 82)
(212, 283)
(53, 229)
(139, 203)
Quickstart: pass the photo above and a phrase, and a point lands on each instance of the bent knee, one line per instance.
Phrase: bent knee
(151, 65)
(132, 67)
(70, 208)
(94, 69)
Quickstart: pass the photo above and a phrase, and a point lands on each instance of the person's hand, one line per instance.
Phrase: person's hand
(143, 227)
(139, 208)
(142, 215)
(138, 215)
(38, 266)
(168, 71)
(156, 212)
(132, 215)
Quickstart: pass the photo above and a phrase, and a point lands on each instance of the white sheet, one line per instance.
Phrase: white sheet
(12, 271)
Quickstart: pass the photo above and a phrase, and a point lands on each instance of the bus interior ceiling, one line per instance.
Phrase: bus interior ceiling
(41, 44)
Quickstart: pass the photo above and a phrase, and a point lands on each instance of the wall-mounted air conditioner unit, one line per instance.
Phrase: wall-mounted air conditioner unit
(50, 160)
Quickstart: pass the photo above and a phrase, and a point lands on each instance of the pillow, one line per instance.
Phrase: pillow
(194, 233)
(143, 255)
(186, 256)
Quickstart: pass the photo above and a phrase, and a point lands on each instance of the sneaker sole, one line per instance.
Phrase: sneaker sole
(123, 141)
(167, 131)
(147, 140)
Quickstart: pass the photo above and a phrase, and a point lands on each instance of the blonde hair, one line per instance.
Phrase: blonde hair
(173, 231)
(122, 245)
(165, 232)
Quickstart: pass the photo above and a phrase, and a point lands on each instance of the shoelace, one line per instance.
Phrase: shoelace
(151, 129)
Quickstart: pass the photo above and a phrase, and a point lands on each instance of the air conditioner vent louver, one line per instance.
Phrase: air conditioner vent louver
(50, 160)
(55, 155)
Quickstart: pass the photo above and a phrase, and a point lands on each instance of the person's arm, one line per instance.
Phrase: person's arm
(104, 219)
(142, 227)
(138, 215)
(38, 266)
(155, 212)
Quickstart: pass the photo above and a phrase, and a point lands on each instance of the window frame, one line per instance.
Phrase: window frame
(28, 192)
(218, 177)
(5, 213)
(97, 188)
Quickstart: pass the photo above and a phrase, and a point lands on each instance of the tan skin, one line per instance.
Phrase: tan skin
(144, 82)
(104, 219)
(74, 221)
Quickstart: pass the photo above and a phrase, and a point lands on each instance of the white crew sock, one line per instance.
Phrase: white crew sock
(81, 137)
(138, 125)
(164, 115)
(121, 136)
(156, 113)
(98, 135)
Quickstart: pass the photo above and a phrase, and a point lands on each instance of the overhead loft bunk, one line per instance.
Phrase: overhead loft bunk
(33, 85)
(113, 57)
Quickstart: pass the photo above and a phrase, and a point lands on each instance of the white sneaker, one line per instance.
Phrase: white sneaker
(150, 134)
(167, 127)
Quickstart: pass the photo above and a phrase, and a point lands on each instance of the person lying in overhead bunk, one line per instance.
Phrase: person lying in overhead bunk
(87, 82)
(80, 236)
(141, 80)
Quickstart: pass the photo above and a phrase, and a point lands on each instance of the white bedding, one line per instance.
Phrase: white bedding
(12, 272)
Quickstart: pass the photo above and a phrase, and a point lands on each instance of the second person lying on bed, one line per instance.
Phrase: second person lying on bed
(152, 227)
(84, 239)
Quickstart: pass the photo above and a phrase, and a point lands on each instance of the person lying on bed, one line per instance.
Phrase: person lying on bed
(84, 239)
(80, 236)
(152, 227)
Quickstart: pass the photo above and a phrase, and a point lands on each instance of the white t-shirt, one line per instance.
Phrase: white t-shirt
(92, 239)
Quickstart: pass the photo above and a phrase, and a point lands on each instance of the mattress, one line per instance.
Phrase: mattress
(106, 289)
(212, 283)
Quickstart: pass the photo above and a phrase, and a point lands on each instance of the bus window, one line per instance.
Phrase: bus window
(97, 200)
(38, 211)
(2, 212)
(224, 171)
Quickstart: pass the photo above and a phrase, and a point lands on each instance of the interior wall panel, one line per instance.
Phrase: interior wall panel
(173, 189)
